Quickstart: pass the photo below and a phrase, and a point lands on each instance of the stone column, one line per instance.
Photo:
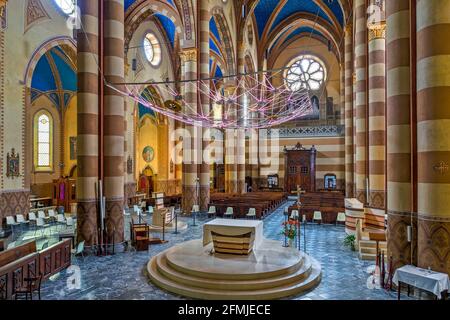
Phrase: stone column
(398, 170)
(240, 134)
(204, 170)
(349, 143)
(433, 132)
(190, 147)
(377, 107)
(87, 122)
(360, 57)
(114, 118)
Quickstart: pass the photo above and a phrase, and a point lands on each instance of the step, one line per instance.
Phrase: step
(226, 274)
(282, 291)
(256, 284)
(372, 244)
(370, 256)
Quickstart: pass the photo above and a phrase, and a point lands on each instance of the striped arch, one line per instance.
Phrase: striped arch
(218, 60)
(225, 35)
(41, 50)
(141, 10)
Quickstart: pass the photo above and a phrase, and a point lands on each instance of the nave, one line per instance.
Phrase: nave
(122, 276)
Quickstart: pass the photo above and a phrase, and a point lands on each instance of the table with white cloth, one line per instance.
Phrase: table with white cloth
(233, 227)
(428, 280)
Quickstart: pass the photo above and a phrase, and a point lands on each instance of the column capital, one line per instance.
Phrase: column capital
(349, 27)
(377, 31)
(189, 54)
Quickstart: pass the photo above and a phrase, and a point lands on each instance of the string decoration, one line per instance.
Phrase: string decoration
(251, 102)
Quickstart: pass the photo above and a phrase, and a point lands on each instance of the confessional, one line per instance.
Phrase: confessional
(64, 193)
(300, 168)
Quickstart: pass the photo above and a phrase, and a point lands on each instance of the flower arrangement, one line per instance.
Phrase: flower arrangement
(290, 228)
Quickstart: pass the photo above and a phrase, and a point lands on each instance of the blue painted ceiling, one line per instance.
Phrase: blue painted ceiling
(266, 8)
(55, 77)
(168, 26)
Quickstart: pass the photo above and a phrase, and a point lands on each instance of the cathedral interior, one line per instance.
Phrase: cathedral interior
(225, 149)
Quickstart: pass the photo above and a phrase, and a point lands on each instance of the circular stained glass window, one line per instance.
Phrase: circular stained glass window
(152, 49)
(67, 6)
(305, 72)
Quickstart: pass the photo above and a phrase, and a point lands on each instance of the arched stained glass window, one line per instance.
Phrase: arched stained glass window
(43, 141)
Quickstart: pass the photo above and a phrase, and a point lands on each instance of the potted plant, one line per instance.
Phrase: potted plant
(349, 241)
(290, 230)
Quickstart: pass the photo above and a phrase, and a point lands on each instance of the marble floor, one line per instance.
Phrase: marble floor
(122, 276)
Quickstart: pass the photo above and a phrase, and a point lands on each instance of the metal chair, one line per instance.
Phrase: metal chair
(60, 220)
(79, 250)
(212, 211)
(40, 224)
(229, 212)
(12, 223)
(41, 214)
(340, 217)
(317, 216)
(251, 213)
(51, 215)
(32, 217)
(21, 219)
(70, 222)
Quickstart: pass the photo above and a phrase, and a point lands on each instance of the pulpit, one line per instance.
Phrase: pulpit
(300, 168)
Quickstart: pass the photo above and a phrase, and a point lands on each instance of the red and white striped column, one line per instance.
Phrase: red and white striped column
(190, 182)
(204, 55)
(113, 117)
(376, 114)
(433, 132)
(240, 135)
(360, 56)
(348, 102)
(398, 144)
(87, 122)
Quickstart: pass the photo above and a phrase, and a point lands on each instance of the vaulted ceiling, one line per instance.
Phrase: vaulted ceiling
(277, 23)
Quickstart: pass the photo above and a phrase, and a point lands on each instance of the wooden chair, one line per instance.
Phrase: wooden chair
(31, 285)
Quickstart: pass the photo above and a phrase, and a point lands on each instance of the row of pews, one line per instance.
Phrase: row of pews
(263, 202)
(328, 203)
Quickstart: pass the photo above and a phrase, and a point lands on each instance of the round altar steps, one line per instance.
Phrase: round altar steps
(267, 279)
(229, 284)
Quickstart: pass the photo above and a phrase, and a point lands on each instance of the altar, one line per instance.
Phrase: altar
(201, 269)
(234, 227)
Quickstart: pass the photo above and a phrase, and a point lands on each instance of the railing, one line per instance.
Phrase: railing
(310, 131)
